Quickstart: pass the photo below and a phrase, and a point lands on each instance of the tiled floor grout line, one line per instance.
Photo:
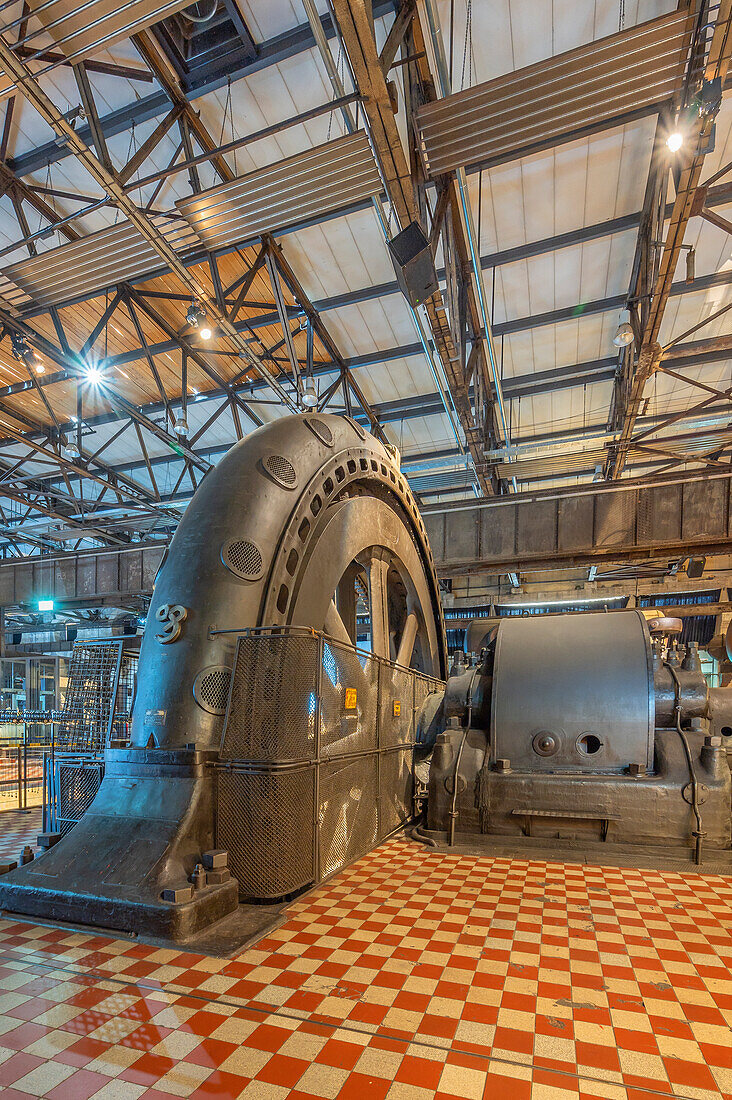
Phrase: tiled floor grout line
(424, 929)
(276, 1013)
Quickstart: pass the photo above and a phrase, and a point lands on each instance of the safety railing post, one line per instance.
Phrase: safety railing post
(318, 722)
(379, 747)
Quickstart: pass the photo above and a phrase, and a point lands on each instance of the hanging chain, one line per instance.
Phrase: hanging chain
(228, 116)
(584, 407)
(339, 60)
(231, 123)
(467, 44)
(223, 117)
(131, 149)
(48, 188)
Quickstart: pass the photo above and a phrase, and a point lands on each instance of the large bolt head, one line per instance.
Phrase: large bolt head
(545, 743)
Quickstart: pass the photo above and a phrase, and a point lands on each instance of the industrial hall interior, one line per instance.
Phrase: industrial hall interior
(366, 549)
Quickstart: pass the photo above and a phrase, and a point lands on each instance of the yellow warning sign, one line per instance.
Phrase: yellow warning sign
(350, 698)
(397, 708)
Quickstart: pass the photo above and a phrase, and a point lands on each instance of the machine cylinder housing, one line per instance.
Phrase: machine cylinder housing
(569, 694)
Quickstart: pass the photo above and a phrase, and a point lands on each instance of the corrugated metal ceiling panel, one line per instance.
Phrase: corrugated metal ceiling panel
(95, 262)
(78, 29)
(317, 181)
(625, 72)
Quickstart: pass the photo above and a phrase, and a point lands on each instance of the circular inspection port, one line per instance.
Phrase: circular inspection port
(589, 743)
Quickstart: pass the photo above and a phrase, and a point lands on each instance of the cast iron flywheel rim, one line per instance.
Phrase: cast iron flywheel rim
(358, 474)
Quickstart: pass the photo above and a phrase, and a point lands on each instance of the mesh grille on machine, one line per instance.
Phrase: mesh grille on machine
(320, 429)
(86, 720)
(395, 789)
(265, 822)
(211, 688)
(273, 699)
(396, 700)
(243, 558)
(282, 471)
(348, 729)
(348, 811)
(77, 788)
(317, 757)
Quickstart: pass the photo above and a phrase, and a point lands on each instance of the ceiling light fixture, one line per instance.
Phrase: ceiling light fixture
(181, 425)
(19, 346)
(674, 141)
(309, 394)
(196, 318)
(93, 375)
(40, 369)
(624, 334)
(71, 451)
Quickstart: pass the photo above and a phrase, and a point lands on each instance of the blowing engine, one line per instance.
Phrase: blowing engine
(268, 748)
(586, 725)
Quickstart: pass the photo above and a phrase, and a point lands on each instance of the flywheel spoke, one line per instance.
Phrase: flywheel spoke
(335, 627)
(409, 637)
(379, 600)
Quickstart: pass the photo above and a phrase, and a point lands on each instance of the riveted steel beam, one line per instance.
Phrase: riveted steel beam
(692, 154)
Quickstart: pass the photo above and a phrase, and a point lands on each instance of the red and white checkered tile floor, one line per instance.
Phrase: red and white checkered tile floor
(18, 829)
(411, 976)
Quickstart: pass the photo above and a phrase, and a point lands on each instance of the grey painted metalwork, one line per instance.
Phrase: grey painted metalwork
(328, 511)
(543, 662)
(316, 757)
(584, 728)
(581, 525)
(503, 533)
(346, 497)
(80, 577)
(575, 725)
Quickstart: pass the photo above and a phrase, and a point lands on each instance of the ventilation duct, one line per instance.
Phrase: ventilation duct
(89, 265)
(316, 182)
(562, 98)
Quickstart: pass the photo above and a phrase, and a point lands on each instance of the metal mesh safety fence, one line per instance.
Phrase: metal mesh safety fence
(316, 761)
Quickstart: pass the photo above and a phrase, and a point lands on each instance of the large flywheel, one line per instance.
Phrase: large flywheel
(360, 559)
(307, 522)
